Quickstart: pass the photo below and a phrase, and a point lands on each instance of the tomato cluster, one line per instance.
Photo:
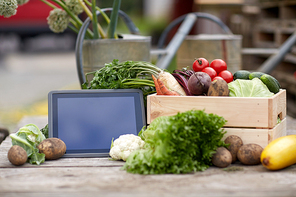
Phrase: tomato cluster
(216, 70)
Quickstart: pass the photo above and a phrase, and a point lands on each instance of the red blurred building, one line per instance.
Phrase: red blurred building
(30, 18)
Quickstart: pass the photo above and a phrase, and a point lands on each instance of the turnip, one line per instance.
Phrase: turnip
(199, 83)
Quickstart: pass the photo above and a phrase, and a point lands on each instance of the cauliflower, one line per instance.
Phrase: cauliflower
(124, 145)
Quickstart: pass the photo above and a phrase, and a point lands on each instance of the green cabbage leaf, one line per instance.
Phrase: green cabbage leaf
(29, 137)
(248, 88)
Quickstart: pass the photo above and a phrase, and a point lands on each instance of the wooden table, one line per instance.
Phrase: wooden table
(103, 177)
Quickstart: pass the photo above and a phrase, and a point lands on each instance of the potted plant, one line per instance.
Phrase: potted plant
(98, 46)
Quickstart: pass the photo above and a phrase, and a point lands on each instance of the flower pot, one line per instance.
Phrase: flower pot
(96, 53)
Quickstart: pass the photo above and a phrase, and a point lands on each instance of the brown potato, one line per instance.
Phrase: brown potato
(53, 148)
(17, 155)
(218, 87)
(235, 143)
(249, 154)
(222, 158)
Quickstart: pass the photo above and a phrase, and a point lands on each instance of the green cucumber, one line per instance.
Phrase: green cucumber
(271, 83)
(241, 74)
(255, 74)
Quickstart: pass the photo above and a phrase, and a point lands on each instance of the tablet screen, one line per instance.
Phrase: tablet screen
(87, 121)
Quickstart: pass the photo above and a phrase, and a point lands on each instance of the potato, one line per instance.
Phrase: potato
(17, 155)
(222, 158)
(218, 87)
(249, 154)
(53, 148)
(235, 143)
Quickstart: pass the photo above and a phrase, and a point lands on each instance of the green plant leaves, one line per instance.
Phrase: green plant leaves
(178, 144)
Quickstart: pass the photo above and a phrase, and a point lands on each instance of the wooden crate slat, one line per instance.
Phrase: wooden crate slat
(238, 111)
(261, 137)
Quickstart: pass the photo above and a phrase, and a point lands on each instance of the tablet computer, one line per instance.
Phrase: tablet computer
(88, 120)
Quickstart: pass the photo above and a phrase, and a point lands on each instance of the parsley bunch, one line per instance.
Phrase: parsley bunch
(178, 144)
(124, 75)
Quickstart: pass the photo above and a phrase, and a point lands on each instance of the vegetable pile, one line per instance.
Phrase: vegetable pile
(28, 137)
(197, 81)
(176, 144)
(215, 80)
(271, 83)
(29, 144)
(201, 80)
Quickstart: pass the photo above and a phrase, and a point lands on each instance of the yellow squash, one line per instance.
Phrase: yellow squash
(280, 153)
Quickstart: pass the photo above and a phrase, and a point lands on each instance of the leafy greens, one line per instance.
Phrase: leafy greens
(249, 88)
(178, 144)
(29, 137)
(124, 75)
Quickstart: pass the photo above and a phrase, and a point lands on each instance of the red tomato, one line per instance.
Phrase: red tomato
(200, 64)
(226, 75)
(218, 65)
(217, 77)
(210, 71)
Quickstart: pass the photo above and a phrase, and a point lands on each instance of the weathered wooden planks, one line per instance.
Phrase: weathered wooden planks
(103, 177)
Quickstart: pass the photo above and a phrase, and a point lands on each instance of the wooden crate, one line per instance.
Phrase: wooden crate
(254, 119)
(258, 136)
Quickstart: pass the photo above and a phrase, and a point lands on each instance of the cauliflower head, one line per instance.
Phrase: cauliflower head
(125, 145)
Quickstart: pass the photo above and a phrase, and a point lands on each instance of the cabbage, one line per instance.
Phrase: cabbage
(248, 88)
(28, 137)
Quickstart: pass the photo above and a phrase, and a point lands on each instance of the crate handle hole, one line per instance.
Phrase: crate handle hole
(280, 116)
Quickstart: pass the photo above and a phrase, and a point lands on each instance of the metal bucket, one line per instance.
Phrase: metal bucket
(92, 55)
(96, 53)
(211, 46)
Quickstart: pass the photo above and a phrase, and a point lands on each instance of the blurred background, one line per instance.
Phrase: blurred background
(34, 60)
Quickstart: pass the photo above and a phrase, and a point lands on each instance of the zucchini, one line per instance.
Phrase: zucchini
(271, 83)
(241, 74)
(255, 75)
(280, 153)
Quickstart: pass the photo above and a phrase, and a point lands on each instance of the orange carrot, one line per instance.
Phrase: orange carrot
(158, 91)
(165, 90)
